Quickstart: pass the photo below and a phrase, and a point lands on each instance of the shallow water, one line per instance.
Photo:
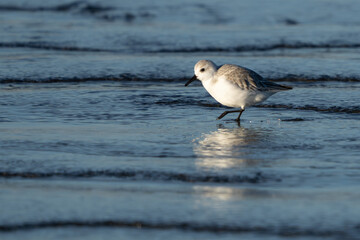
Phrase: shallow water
(100, 138)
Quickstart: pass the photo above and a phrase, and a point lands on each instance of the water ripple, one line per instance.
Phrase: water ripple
(144, 175)
(187, 226)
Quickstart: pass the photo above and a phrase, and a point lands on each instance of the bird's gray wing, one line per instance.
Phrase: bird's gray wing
(247, 79)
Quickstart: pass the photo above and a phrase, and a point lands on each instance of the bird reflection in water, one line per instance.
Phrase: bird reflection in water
(223, 193)
(223, 149)
(227, 148)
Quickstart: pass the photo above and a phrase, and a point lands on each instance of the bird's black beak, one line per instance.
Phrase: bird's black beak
(191, 80)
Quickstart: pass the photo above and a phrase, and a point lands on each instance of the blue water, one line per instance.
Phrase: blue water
(99, 138)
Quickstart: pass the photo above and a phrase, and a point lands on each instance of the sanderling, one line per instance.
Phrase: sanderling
(234, 86)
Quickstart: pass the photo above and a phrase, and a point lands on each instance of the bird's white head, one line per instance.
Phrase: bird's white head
(204, 70)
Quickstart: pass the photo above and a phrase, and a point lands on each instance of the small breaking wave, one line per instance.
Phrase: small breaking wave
(203, 103)
(331, 109)
(284, 230)
(47, 46)
(144, 175)
(244, 48)
(134, 77)
(124, 77)
(249, 48)
(76, 5)
(80, 7)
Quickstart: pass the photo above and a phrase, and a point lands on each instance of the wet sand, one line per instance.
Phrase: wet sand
(118, 156)
(99, 138)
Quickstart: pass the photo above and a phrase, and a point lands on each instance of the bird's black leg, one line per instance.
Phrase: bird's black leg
(226, 112)
(238, 118)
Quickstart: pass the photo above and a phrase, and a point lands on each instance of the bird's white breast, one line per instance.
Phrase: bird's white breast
(231, 95)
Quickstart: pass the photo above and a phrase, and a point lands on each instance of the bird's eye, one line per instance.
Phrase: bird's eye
(203, 69)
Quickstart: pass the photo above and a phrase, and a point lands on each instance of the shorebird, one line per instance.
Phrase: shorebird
(234, 86)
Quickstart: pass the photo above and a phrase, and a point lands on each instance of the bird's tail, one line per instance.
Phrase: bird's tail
(277, 87)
